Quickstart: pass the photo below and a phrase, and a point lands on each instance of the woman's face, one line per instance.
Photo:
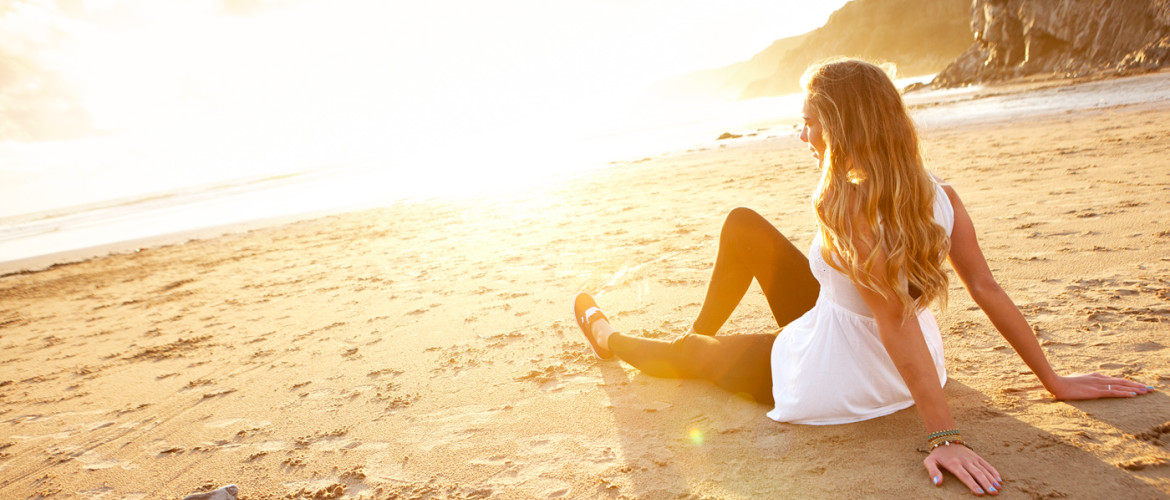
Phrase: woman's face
(811, 132)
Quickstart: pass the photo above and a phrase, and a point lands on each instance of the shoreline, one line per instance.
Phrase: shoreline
(931, 108)
(35, 264)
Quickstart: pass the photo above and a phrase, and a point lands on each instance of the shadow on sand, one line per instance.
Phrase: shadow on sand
(683, 438)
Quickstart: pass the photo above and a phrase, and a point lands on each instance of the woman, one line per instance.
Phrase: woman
(858, 341)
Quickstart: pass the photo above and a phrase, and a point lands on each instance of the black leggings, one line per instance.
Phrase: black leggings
(749, 248)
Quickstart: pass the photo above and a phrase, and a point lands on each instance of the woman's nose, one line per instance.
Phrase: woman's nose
(804, 134)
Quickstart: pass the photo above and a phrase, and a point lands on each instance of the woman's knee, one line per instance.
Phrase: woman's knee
(739, 221)
(696, 352)
(741, 216)
(746, 224)
(724, 360)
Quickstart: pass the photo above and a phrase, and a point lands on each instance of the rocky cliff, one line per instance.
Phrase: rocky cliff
(919, 36)
(1015, 38)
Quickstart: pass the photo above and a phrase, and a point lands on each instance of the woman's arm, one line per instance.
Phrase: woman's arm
(968, 261)
(901, 335)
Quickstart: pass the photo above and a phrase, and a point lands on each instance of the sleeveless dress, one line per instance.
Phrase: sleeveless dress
(829, 366)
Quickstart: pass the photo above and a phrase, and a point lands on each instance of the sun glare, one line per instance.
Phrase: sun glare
(455, 95)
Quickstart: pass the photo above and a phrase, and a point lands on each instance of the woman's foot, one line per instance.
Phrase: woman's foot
(602, 330)
(593, 324)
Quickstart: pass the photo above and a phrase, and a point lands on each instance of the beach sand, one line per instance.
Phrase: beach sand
(428, 350)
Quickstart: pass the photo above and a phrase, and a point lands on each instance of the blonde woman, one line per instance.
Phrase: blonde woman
(857, 339)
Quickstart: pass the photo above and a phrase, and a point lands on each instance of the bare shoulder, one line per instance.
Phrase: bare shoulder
(950, 190)
(951, 193)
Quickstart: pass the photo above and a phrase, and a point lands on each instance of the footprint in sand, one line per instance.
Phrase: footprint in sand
(228, 422)
(1141, 463)
(91, 460)
(1148, 347)
(1155, 435)
(530, 471)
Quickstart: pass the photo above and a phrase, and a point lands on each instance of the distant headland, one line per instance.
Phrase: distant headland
(963, 41)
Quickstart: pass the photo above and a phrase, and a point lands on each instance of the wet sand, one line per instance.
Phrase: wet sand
(427, 350)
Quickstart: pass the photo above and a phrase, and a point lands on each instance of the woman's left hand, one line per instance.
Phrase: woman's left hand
(1095, 386)
(975, 472)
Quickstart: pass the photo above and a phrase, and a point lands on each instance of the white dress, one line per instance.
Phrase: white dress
(829, 366)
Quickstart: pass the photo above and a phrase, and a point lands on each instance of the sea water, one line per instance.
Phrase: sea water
(976, 105)
(116, 193)
(112, 193)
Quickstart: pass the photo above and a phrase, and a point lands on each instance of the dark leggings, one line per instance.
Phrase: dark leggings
(749, 248)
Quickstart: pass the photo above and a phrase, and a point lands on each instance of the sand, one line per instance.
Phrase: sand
(427, 350)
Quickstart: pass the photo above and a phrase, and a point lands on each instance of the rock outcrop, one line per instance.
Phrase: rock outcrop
(1015, 38)
(919, 36)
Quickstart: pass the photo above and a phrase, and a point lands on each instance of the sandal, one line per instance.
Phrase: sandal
(585, 310)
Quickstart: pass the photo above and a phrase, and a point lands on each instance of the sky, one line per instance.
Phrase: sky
(134, 60)
(202, 89)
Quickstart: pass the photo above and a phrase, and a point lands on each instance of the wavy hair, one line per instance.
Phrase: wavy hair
(874, 187)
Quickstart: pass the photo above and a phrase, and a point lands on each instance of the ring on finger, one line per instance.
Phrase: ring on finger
(1109, 387)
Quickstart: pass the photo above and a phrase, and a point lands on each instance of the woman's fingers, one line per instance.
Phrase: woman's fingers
(1096, 385)
(974, 472)
(983, 477)
(1122, 388)
(1129, 385)
(974, 478)
(991, 471)
(936, 476)
(992, 476)
(1118, 392)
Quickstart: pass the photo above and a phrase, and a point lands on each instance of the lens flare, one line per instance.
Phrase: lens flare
(696, 436)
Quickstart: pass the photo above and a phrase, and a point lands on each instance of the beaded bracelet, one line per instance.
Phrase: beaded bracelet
(952, 436)
(943, 438)
(947, 442)
(949, 437)
(942, 433)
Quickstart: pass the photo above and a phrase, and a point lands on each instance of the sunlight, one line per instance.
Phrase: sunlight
(477, 91)
(374, 101)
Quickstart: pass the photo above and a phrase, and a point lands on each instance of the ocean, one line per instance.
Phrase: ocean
(75, 200)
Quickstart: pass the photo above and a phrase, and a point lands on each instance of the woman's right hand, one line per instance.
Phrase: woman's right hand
(966, 465)
(1094, 386)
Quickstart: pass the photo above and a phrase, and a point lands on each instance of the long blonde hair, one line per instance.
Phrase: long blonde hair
(875, 189)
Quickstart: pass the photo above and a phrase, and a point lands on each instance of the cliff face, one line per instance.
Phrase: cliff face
(1066, 37)
(919, 36)
(727, 82)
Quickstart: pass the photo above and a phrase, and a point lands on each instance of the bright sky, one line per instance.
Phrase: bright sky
(139, 59)
(306, 83)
